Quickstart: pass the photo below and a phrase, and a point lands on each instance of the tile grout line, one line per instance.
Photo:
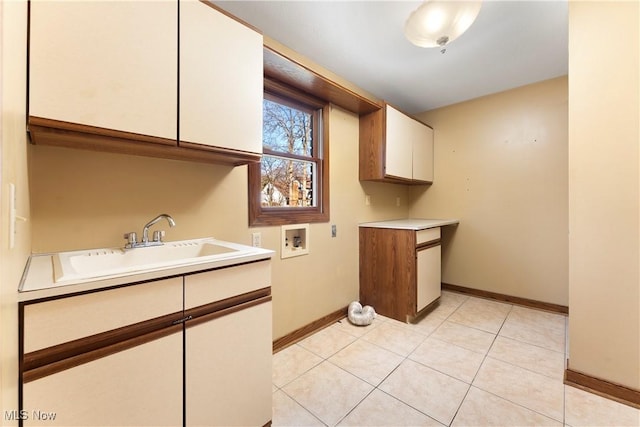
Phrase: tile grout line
(425, 336)
(482, 363)
(526, 369)
(404, 359)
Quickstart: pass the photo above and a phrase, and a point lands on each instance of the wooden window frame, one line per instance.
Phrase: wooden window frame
(263, 216)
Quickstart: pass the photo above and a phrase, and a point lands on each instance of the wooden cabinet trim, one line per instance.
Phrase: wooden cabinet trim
(226, 304)
(235, 18)
(97, 353)
(372, 147)
(203, 318)
(72, 135)
(42, 130)
(279, 67)
(427, 245)
(70, 349)
(48, 361)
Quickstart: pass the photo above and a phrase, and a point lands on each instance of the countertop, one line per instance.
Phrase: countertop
(38, 278)
(411, 223)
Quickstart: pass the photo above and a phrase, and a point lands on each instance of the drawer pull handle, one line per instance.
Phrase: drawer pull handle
(184, 319)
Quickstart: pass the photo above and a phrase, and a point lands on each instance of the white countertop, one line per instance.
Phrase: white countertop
(39, 282)
(411, 223)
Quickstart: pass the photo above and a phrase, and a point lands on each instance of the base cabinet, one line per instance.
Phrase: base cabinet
(399, 270)
(196, 350)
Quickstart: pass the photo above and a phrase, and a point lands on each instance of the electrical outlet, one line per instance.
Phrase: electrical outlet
(367, 200)
(256, 240)
(334, 231)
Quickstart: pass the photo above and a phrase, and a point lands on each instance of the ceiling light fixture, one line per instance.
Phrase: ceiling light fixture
(437, 23)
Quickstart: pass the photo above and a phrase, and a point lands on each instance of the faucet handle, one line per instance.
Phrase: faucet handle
(132, 238)
(158, 235)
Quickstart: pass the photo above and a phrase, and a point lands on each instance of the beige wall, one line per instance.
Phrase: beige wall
(604, 218)
(13, 167)
(501, 168)
(83, 199)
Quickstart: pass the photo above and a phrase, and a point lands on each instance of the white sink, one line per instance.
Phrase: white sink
(99, 263)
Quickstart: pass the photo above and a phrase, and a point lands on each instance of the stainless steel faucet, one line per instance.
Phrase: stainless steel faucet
(132, 238)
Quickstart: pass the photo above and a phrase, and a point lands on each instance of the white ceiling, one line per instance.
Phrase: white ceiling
(512, 43)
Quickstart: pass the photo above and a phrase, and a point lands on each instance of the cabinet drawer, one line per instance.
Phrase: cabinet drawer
(428, 235)
(212, 286)
(58, 321)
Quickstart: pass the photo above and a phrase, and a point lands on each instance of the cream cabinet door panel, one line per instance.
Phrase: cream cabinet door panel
(141, 386)
(67, 319)
(221, 80)
(422, 152)
(428, 276)
(110, 64)
(228, 359)
(398, 144)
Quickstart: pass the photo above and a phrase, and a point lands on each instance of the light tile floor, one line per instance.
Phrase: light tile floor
(470, 362)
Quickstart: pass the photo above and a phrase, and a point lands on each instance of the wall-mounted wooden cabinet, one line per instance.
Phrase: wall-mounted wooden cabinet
(107, 76)
(395, 147)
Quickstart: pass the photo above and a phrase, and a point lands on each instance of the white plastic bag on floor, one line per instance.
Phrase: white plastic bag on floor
(359, 315)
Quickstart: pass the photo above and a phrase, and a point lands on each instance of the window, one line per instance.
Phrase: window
(291, 183)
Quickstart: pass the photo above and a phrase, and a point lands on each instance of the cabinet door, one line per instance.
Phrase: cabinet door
(398, 144)
(55, 322)
(111, 64)
(428, 276)
(228, 369)
(220, 80)
(422, 152)
(141, 386)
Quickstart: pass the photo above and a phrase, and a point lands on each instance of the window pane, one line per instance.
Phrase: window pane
(287, 183)
(287, 129)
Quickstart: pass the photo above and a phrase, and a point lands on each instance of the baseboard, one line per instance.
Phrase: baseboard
(546, 306)
(617, 392)
(305, 331)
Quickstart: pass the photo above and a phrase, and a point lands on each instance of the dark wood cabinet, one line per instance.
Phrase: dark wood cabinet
(399, 270)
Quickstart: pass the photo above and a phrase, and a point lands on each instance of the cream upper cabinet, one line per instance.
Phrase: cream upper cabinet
(399, 138)
(109, 64)
(422, 162)
(395, 147)
(221, 80)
